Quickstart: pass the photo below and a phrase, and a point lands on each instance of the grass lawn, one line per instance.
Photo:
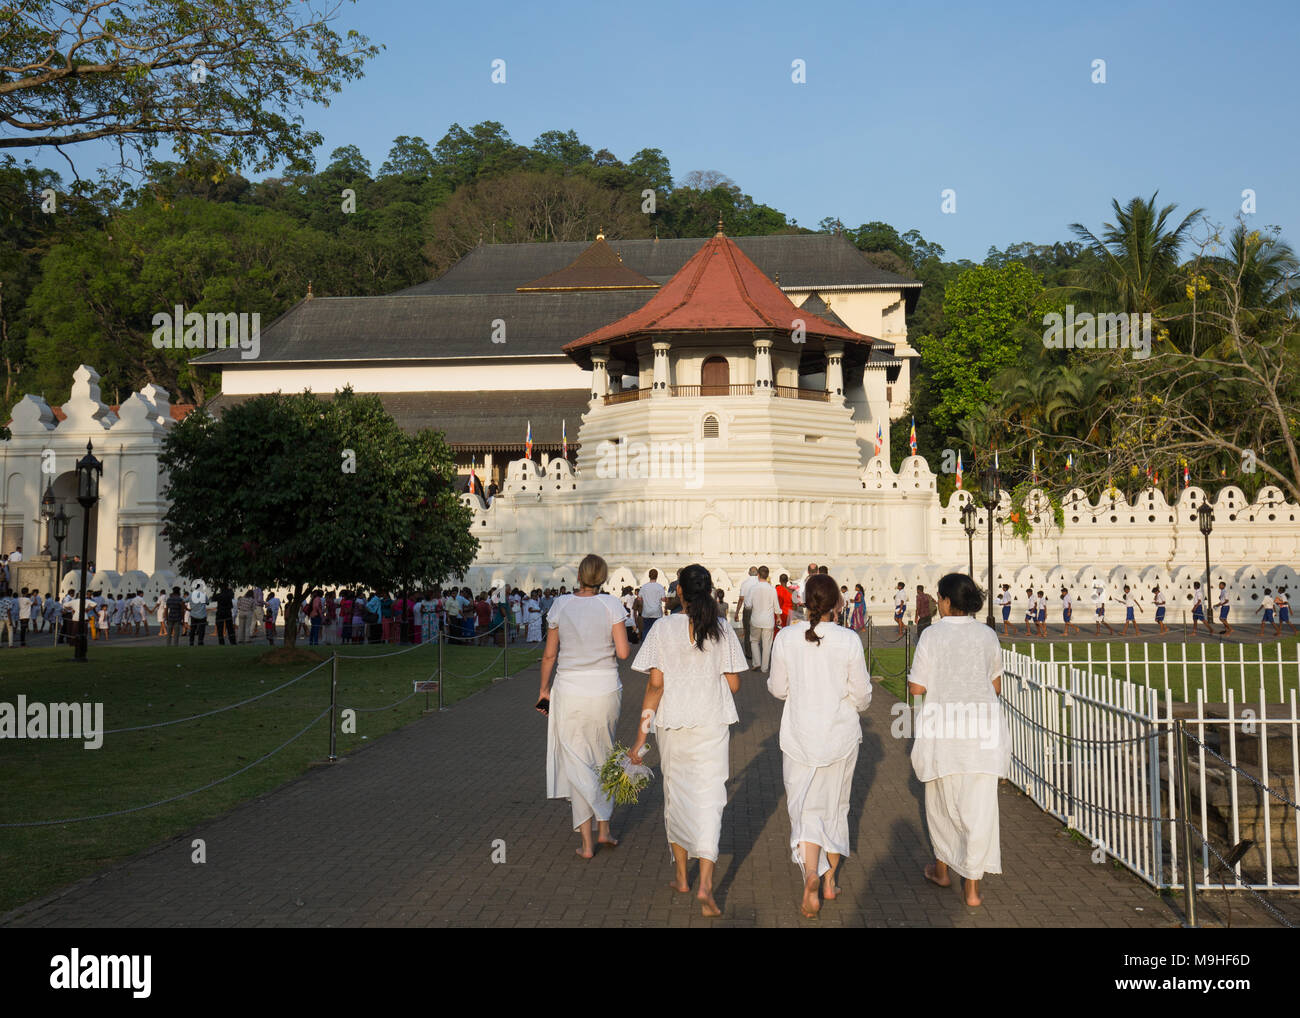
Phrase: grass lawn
(54, 779)
(1215, 667)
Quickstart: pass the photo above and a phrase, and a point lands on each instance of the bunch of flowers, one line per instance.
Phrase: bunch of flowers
(621, 779)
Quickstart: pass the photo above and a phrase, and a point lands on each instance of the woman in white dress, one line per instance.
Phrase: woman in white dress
(694, 661)
(962, 743)
(585, 633)
(819, 670)
(533, 613)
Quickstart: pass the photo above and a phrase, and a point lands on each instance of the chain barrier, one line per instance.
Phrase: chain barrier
(1224, 862)
(174, 798)
(1156, 731)
(1089, 806)
(395, 703)
(219, 710)
(1249, 777)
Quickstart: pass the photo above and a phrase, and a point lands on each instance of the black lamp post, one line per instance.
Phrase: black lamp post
(89, 471)
(992, 494)
(60, 527)
(47, 512)
(1205, 520)
(968, 525)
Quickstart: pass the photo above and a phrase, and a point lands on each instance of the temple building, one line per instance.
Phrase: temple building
(480, 353)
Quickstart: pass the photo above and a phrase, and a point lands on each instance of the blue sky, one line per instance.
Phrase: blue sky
(901, 102)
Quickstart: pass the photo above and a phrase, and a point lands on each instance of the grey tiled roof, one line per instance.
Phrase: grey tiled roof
(816, 259)
(477, 420)
(424, 327)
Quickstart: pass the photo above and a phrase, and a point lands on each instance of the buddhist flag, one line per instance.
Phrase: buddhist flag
(880, 439)
(1033, 461)
(1069, 462)
(959, 470)
(564, 439)
(473, 480)
(528, 442)
(1187, 476)
(912, 441)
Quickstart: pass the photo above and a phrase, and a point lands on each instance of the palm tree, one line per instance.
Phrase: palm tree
(1136, 258)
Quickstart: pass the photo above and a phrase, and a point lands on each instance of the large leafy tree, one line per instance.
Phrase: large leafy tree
(298, 492)
(221, 79)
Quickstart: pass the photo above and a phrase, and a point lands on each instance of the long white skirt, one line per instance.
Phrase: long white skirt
(695, 764)
(962, 811)
(818, 800)
(579, 738)
(535, 632)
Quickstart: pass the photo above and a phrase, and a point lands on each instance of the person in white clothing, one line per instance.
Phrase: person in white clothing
(962, 744)
(533, 617)
(900, 609)
(653, 595)
(822, 677)
(694, 661)
(745, 607)
(581, 695)
(762, 623)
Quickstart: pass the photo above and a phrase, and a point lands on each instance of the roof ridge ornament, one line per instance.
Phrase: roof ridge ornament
(719, 233)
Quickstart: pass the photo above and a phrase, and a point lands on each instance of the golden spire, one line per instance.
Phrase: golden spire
(309, 293)
(719, 233)
(600, 234)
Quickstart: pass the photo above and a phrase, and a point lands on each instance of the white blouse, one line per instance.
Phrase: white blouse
(824, 687)
(586, 659)
(695, 693)
(961, 728)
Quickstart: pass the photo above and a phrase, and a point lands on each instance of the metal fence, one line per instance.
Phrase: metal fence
(1103, 755)
(1180, 668)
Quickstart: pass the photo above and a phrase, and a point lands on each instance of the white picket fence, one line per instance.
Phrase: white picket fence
(1212, 667)
(1100, 753)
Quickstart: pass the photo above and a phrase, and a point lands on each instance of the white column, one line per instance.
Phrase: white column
(762, 367)
(599, 374)
(661, 377)
(835, 371)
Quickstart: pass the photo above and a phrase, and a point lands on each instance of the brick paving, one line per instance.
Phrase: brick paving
(402, 834)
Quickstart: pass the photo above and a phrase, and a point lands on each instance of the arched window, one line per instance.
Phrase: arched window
(715, 377)
(711, 426)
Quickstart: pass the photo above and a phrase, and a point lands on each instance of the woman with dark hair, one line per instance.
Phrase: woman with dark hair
(858, 621)
(962, 744)
(818, 669)
(584, 636)
(694, 661)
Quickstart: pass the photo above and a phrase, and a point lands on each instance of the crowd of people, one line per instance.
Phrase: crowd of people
(815, 664)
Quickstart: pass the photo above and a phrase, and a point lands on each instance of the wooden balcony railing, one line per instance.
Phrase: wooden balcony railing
(784, 391)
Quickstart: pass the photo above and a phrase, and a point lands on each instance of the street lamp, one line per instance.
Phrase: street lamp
(968, 525)
(60, 527)
(1205, 520)
(992, 495)
(89, 471)
(47, 512)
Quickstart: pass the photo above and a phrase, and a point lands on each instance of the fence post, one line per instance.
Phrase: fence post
(334, 705)
(441, 635)
(907, 652)
(505, 651)
(1184, 788)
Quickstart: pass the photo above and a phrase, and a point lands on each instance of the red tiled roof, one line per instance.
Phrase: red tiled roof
(179, 411)
(719, 288)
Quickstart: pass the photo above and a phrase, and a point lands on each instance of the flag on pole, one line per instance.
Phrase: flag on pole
(528, 442)
(564, 438)
(959, 470)
(912, 440)
(473, 487)
(1069, 462)
(880, 439)
(1187, 476)
(1033, 460)
(995, 460)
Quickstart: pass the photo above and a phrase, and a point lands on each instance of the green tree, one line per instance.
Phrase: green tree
(223, 80)
(990, 313)
(309, 493)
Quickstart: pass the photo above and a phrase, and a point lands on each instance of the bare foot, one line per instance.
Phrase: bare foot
(810, 904)
(584, 853)
(708, 907)
(830, 889)
(611, 842)
(973, 898)
(930, 876)
(680, 886)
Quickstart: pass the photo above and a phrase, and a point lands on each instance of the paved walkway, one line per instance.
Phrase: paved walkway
(402, 834)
